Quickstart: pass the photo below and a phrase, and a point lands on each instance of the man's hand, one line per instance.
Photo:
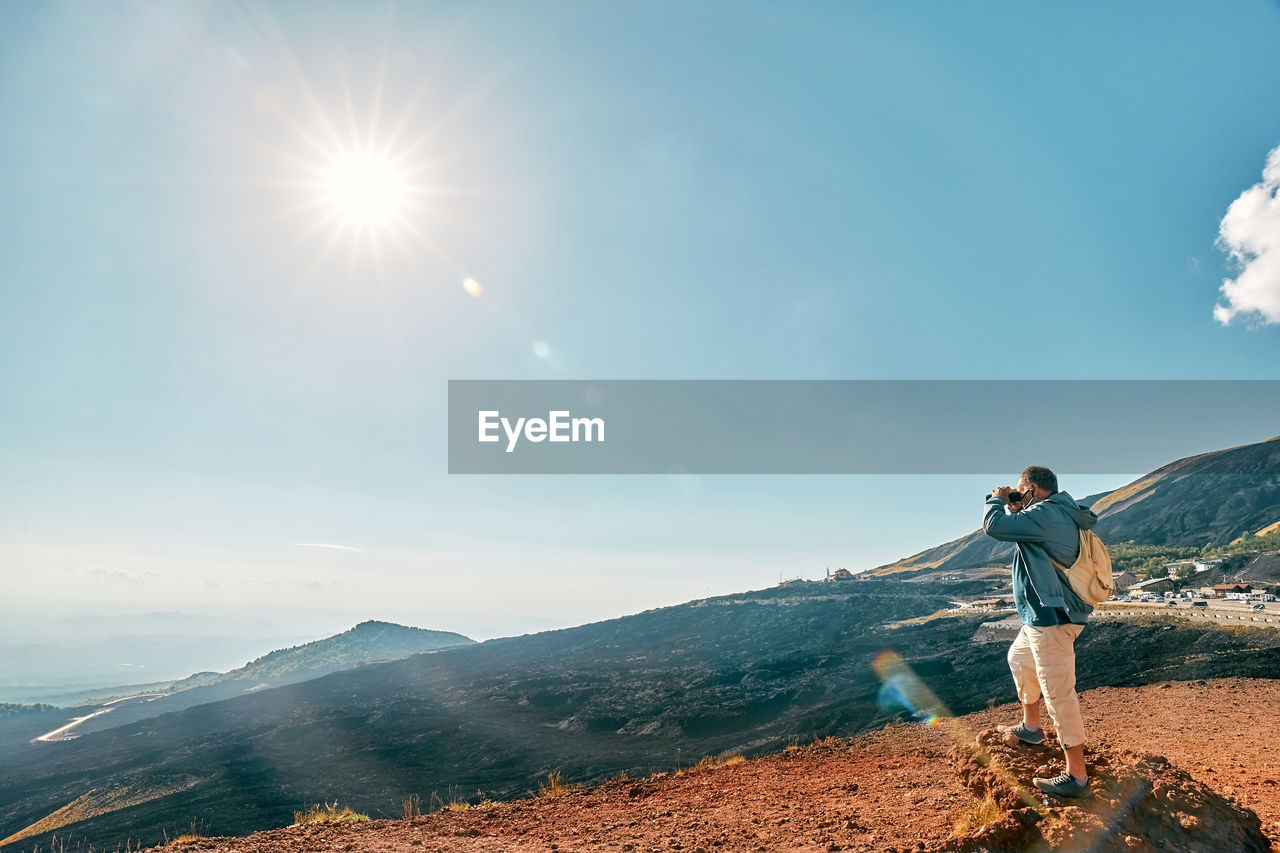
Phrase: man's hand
(1003, 494)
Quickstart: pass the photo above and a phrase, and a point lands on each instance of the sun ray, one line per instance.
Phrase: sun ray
(280, 47)
(353, 127)
(363, 157)
(353, 252)
(384, 59)
(475, 98)
(327, 248)
(434, 248)
(376, 249)
(420, 92)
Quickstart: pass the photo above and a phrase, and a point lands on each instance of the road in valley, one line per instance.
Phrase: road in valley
(65, 732)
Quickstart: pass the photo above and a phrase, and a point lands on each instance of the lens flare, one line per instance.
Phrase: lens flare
(902, 689)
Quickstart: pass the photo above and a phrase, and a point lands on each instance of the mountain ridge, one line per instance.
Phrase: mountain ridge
(1208, 499)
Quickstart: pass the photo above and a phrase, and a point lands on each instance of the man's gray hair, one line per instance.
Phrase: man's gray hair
(1038, 475)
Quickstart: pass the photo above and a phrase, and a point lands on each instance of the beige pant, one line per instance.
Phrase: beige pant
(1043, 661)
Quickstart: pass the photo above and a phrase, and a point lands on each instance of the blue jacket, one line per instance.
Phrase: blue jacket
(1047, 529)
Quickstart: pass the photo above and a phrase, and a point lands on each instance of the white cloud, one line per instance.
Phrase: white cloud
(279, 581)
(109, 574)
(1250, 235)
(326, 545)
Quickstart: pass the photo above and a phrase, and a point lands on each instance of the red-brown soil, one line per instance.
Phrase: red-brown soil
(1225, 732)
(1199, 756)
(1139, 804)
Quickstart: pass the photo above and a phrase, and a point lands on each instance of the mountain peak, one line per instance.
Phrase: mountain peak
(379, 625)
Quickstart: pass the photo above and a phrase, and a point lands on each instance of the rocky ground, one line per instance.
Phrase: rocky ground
(1223, 731)
(1181, 766)
(1138, 804)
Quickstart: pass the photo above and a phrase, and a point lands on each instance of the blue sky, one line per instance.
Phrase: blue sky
(199, 373)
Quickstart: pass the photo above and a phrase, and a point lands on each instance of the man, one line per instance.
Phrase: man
(1045, 523)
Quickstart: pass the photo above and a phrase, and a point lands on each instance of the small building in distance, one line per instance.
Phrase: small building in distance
(1206, 565)
(1221, 590)
(1152, 586)
(993, 604)
(1123, 580)
(839, 575)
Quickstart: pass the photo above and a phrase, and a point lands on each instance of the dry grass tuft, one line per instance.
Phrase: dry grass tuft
(411, 807)
(981, 814)
(555, 785)
(711, 762)
(327, 813)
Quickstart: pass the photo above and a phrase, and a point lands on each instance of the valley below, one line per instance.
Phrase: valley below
(751, 674)
(1183, 766)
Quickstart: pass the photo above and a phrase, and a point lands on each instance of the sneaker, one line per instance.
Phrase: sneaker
(1062, 785)
(1034, 737)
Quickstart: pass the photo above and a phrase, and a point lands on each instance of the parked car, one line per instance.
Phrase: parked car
(1259, 607)
(1199, 604)
(1171, 604)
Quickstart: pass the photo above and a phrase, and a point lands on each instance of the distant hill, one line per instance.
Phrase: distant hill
(366, 643)
(1210, 499)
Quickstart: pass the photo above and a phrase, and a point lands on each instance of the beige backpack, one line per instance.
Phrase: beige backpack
(1090, 574)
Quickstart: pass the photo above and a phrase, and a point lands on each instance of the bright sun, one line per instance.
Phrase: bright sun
(358, 178)
(365, 189)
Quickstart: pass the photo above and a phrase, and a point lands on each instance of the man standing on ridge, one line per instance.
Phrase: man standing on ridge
(1045, 524)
